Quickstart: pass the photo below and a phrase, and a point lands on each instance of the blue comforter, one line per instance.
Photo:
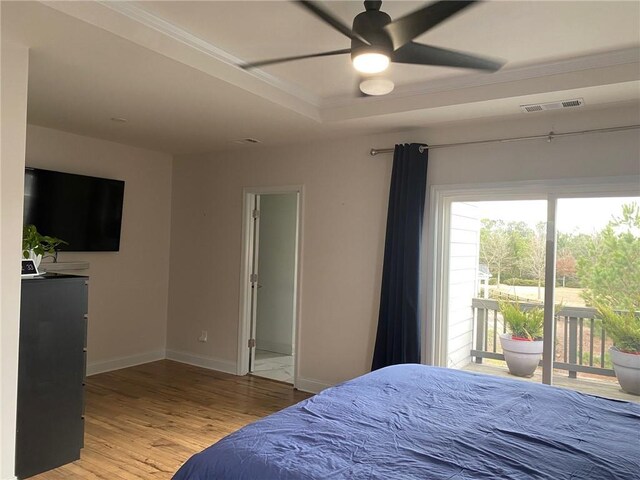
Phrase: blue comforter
(419, 422)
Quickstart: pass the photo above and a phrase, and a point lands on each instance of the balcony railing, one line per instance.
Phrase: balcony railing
(581, 344)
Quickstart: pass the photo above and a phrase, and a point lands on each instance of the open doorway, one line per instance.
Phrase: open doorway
(270, 290)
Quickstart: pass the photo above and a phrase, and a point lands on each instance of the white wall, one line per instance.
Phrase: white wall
(127, 289)
(344, 222)
(595, 155)
(276, 267)
(13, 80)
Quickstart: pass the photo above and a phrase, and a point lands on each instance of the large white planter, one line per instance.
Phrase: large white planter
(627, 368)
(522, 356)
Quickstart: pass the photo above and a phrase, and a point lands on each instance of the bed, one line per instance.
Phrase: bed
(420, 422)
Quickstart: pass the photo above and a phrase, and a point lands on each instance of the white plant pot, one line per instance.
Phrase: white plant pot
(627, 368)
(522, 356)
(36, 258)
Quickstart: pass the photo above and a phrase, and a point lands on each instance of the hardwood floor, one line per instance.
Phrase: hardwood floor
(143, 422)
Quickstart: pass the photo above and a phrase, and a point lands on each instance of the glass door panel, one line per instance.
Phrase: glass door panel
(496, 268)
(597, 263)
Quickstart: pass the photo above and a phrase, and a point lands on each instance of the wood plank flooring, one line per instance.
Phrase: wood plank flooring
(143, 422)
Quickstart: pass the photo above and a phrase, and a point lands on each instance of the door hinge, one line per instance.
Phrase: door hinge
(255, 213)
(253, 278)
(252, 343)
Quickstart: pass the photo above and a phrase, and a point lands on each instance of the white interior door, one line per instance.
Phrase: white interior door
(269, 285)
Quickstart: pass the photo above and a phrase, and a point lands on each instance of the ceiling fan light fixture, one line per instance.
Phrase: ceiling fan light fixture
(376, 86)
(371, 62)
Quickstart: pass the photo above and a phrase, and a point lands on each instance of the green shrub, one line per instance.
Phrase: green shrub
(522, 282)
(523, 322)
(596, 360)
(569, 283)
(622, 326)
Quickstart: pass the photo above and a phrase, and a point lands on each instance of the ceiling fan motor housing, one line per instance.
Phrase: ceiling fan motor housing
(369, 25)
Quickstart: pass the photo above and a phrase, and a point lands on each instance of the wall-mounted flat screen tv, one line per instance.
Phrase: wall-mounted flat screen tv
(84, 211)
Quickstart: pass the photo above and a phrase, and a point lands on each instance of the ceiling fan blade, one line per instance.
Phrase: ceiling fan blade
(328, 17)
(262, 63)
(419, 54)
(405, 29)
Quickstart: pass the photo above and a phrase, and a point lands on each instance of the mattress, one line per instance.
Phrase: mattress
(420, 422)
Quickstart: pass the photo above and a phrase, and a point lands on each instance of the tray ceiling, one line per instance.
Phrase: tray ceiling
(170, 68)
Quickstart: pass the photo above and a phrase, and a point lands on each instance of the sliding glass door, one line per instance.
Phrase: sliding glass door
(525, 277)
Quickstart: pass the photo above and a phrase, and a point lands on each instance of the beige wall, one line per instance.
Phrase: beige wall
(344, 203)
(128, 289)
(343, 226)
(13, 102)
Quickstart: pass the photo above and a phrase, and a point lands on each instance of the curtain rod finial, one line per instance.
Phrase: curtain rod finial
(373, 152)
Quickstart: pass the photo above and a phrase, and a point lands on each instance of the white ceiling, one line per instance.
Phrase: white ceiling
(170, 68)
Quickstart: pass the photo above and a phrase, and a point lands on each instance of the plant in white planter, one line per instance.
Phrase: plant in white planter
(35, 245)
(623, 327)
(522, 346)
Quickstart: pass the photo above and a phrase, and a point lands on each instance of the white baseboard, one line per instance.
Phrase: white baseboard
(304, 384)
(276, 347)
(211, 363)
(124, 362)
(310, 385)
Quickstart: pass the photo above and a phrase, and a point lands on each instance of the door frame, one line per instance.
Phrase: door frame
(244, 324)
(436, 252)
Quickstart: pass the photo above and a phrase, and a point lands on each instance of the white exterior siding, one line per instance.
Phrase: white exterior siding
(464, 251)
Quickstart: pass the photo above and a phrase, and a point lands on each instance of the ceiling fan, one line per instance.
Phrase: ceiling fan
(376, 40)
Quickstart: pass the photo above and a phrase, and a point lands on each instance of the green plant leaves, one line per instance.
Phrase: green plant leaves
(622, 326)
(521, 322)
(40, 244)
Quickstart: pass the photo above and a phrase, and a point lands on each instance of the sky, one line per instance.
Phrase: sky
(574, 215)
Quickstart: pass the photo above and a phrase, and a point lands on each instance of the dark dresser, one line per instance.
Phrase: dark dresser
(51, 372)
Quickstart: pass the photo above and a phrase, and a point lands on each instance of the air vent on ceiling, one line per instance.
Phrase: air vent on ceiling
(539, 107)
(248, 141)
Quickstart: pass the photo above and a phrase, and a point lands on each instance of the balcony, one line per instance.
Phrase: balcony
(581, 350)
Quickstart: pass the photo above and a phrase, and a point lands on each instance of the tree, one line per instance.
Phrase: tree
(494, 246)
(519, 237)
(576, 245)
(535, 254)
(565, 265)
(610, 270)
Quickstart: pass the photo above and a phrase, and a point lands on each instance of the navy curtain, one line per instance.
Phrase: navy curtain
(398, 337)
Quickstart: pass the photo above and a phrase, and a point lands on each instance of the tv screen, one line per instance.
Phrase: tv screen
(84, 211)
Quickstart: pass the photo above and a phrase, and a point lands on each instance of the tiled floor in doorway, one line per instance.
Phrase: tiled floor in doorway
(275, 366)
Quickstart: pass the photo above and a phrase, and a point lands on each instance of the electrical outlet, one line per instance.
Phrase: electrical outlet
(203, 336)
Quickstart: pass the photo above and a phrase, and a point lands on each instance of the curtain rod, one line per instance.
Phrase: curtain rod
(550, 136)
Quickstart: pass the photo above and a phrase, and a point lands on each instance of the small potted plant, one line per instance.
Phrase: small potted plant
(623, 327)
(36, 245)
(522, 346)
